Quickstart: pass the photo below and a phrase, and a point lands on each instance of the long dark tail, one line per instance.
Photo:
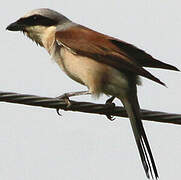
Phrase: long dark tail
(133, 110)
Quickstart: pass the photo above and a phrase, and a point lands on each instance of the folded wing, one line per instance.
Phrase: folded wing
(105, 49)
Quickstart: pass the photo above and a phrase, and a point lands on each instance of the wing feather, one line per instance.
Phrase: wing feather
(105, 49)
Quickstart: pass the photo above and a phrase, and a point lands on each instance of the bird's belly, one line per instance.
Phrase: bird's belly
(98, 77)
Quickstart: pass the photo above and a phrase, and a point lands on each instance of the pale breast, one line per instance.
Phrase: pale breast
(83, 69)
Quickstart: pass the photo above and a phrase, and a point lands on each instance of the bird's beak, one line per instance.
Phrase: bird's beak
(16, 26)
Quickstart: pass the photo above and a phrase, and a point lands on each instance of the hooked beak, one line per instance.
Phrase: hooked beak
(16, 26)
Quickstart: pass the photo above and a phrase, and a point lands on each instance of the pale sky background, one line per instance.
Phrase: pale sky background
(37, 144)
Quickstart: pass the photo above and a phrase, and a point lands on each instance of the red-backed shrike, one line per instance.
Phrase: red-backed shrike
(102, 63)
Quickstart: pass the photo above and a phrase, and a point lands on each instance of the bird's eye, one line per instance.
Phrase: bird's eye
(35, 17)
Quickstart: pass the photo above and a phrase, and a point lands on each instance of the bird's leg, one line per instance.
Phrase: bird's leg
(66, 96)
(71, 94)
(110, 101)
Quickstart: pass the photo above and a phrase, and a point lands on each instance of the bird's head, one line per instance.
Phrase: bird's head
(36, 23)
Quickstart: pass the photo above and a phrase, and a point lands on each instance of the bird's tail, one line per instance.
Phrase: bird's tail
(133, 110)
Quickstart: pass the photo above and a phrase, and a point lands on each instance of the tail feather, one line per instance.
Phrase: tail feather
(154, 63)
(133, 110)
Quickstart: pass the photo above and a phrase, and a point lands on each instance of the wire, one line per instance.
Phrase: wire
(103, 109)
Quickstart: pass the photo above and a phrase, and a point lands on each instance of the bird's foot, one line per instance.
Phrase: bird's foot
(66, 99)
(110, 101)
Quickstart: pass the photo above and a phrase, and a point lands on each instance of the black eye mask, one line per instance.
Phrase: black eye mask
(36, 20)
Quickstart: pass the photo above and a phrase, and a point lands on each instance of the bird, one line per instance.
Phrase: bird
(104, 64)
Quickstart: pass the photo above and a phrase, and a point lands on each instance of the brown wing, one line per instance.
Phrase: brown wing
(89, 43)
